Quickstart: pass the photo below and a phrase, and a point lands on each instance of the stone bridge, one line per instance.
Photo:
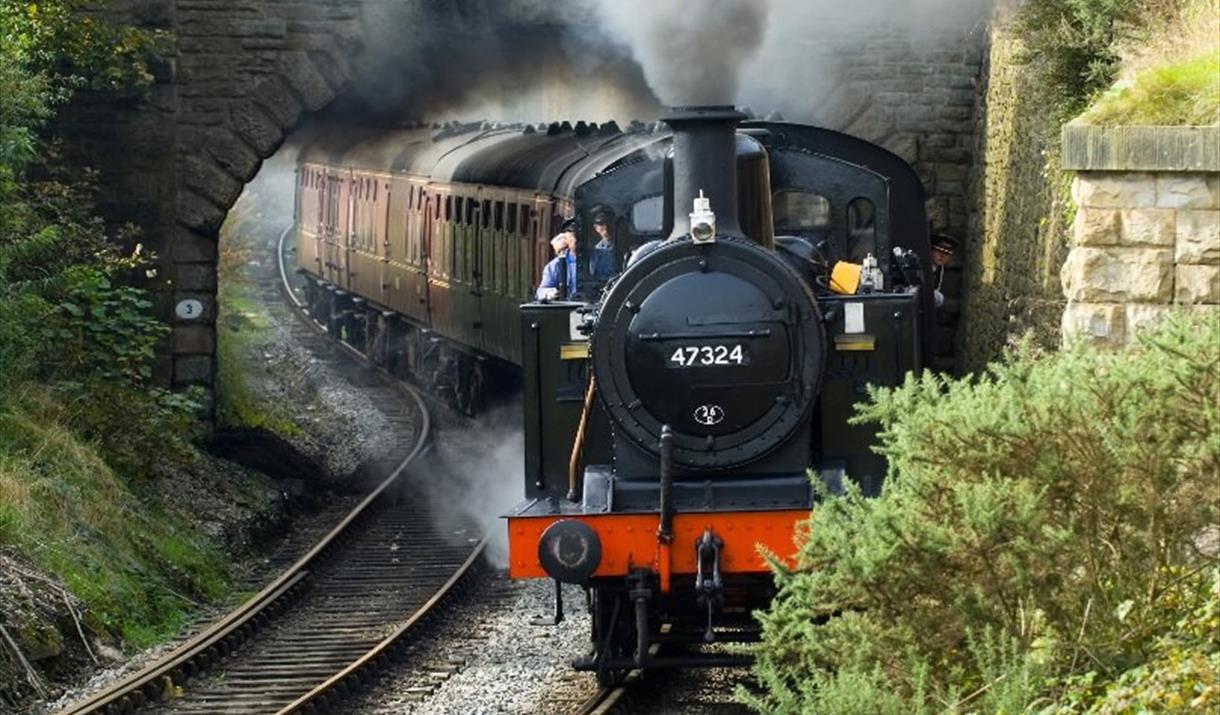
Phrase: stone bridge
(245, 73)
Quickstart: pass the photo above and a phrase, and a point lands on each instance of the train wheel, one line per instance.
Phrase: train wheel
(613, 635)
(461, 384)
(474, 388)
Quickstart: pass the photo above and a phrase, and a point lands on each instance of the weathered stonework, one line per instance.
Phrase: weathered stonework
(1146, 239)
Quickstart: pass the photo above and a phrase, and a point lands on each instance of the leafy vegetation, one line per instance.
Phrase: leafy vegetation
(1171, 78)
(1047, 541)
(77, 336)
(1182, 93)
(1075, 44)
(1165, 52)
(68, 509)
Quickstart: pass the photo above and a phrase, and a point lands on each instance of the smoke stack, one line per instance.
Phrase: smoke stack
(705, 159)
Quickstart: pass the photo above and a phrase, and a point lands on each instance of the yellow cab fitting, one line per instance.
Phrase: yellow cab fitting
(845, 278)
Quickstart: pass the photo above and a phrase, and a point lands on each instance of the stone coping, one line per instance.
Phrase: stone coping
(1090, 148)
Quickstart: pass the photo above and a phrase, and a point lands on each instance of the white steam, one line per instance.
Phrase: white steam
(475, 476)
(794, 56)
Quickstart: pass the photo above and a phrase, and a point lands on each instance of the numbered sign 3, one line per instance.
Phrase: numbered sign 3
(189, 309)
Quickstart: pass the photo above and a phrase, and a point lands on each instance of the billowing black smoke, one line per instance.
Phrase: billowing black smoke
(505, 60)
(692, 53)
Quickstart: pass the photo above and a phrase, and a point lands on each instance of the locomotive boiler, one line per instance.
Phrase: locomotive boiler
(677, 420)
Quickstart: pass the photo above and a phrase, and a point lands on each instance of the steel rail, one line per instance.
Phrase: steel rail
(605, 700)
(214, 642)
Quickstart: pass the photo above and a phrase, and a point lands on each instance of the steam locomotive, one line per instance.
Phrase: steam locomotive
(676, 411)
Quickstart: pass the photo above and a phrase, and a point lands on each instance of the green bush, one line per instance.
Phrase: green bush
(1043, 527)
(1181, 93)
(1075, 43)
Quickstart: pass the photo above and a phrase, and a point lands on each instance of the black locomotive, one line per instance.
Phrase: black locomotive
(766, 273)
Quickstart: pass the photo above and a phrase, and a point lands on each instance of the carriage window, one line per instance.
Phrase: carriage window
(800, 211)
(486, 212)
(437, 213)
(448, 208)
(861, 229)
(525, 220)
(512, 218)
(647, 215)
(472, 208)
(499, 215)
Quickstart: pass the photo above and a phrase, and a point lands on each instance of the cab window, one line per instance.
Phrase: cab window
(797, 211)
(648, 215)
(861, 229)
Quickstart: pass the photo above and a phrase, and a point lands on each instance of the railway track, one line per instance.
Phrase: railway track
(346, 607)
(607, 701)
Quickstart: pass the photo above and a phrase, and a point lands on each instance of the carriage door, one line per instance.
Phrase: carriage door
(381, 236)
(333, 238)
(425, 246)
(344, 185)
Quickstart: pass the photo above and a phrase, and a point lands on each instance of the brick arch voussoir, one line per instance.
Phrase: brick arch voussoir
(212, 175)
(215, 173)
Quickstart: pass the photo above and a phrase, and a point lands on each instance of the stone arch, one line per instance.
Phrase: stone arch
(214, 165)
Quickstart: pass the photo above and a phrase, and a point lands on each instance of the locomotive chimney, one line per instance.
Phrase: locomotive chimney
(705, 160)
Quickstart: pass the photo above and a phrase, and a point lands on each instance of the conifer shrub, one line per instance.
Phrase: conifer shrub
(1046, 540)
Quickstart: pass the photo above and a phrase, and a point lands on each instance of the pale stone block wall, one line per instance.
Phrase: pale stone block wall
(1146, 236)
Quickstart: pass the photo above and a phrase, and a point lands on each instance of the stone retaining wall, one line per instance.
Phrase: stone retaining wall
(1146, 236)
(1016, 241)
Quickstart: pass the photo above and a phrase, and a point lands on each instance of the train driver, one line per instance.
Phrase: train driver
(602, 264)
(559, 275)
(942, 250)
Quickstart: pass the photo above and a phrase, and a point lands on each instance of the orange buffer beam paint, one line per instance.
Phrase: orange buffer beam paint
(629, 541)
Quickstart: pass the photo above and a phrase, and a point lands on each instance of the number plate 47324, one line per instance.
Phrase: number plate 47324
(709, 356)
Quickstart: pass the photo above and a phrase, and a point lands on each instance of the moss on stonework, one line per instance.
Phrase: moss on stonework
(1019, 224)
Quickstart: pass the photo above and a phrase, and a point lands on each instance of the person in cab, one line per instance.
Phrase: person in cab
(559, 275)
(602, 262)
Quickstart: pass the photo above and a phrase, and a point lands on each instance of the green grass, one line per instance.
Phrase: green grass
(138, 569)
(1182, 93)
(236, 340)
(243, 328)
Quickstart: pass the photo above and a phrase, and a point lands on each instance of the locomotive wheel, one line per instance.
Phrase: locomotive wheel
(613, 634)
(474, 389)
